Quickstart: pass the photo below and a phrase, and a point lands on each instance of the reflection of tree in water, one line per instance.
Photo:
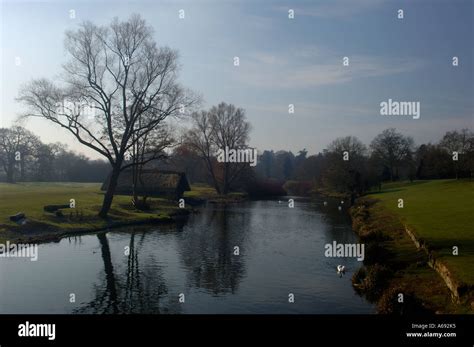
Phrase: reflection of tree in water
(208, 250)
(136, 290)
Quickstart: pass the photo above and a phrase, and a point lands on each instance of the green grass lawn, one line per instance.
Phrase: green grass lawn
(30, 198)
(203, 191)
(441, 212)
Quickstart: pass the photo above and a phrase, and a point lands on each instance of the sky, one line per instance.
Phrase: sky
(282, 60)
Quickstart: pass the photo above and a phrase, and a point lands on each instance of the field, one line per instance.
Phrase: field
(30, 198)
(440, 212)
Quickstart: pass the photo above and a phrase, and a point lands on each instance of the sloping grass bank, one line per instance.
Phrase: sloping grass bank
(439, 214)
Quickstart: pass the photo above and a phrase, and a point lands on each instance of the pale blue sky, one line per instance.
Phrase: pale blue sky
(282, 61)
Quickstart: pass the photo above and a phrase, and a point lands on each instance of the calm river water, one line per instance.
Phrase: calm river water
(145, 269)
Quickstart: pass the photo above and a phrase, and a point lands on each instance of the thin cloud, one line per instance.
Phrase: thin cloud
(333, 9)
(271, 71)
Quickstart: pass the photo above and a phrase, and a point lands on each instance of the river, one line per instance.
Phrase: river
(153, 269)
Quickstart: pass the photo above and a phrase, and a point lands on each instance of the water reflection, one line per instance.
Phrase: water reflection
(135, 290)
(212, 250)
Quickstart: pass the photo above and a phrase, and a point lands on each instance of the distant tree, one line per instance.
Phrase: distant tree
(311, 169)
(119, 72)
(301, 157)
(16, 147)
(391, 149)
(432, 162)
(223, 126)
(345, 161)
(284, 165)
(287, 167)
(461, 142)
(45, 156)
(265, 165)
(230, 130)
(201, 139)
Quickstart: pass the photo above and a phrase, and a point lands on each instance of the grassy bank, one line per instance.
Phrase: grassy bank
(207, 193)
(437, 212)
(327, 193)
(30, 198)
(441, 213)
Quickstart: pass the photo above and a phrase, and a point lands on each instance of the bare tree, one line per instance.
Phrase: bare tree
(118, 72)
(345, 161)
(391, 148)
(200, 138)
(230, 130)
(150, 147)
(223, 126)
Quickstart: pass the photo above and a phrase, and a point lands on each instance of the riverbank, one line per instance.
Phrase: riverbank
(201, 193)
(394, 264)
(42, 226)
(327, 193)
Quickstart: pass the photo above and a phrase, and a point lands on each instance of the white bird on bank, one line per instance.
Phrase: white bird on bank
(341, 269)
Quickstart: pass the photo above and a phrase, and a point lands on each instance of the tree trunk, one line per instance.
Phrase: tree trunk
(109, 194)
(213, 176)
(109, 272)
(22, 170)
(225, 189)
(9, 173)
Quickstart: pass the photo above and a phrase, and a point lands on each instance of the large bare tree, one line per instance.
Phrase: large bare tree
(120, 73)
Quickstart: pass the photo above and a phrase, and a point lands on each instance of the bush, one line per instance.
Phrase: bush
(389, 302)
(299, 188)
(268, 187)
(371, 281)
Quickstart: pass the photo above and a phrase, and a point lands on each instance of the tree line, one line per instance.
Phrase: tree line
(346, 166)
(349, 166)
(24, 157)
